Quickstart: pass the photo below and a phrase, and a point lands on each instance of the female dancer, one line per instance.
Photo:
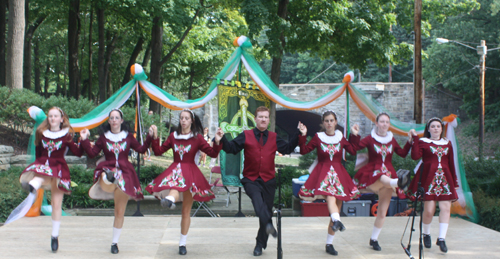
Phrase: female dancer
(329, 179)
(203, 156)
(438, 178)
(183, 176)
(115, 177)
(50, 171)
(379, 175)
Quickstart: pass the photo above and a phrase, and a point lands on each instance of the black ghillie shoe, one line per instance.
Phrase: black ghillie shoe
(110, 175)
(114, 248)
(404, 180)
(270, 230)
(375, 245)
(165, 203)
(182, 250)
(28, 188)
(330, 250)
(442, 245)
(427, 241)
(54, 244)
(338, 226)
(257, 251)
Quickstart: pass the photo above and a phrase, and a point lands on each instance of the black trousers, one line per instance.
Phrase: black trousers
(262, 195)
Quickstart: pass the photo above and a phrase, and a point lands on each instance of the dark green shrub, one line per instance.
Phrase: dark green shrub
(11, 193)
(489, 210)
(148, 173)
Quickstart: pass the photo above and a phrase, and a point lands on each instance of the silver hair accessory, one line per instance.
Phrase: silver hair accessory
(60, 110)
(434, 119)
(188, 110)
(329, 111)
(118, 110)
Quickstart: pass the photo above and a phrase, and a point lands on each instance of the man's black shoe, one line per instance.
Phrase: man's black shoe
(270, 230)
(257, 251)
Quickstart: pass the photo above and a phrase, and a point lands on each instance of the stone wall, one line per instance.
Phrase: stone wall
(397, 98)
(8, 159)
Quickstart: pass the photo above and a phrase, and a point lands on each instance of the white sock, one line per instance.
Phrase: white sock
(394, 182)
(182, 242)
(36, 182)
(335, 216)
(55, 228)
(170, 198)
(329, 239)
(426, 229)
(443, 228)
(375, 233)
(116, 235)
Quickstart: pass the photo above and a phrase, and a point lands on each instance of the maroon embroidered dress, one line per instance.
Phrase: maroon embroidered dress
(50, 160)
(438, 178)
(183, 174)
(380, 152)
(116, 148)
(329, 177)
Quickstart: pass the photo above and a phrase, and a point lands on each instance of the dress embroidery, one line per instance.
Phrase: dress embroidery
(175, 179)
(116, 148)
(51, 145)
(383, 150)
(181, 149)
(332, 184)
(439, 185)
(331, 149)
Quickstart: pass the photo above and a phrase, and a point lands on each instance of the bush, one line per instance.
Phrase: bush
(11, 193)
(288, 173)
(489, 210)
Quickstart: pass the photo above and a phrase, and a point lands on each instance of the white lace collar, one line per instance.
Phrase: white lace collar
(380, 139)
(330, 139)
(55, 134)
(183, 136)
(442, 141)
(116, 137)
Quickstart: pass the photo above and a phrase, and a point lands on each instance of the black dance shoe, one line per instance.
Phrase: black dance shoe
(442, 245)
(330, 250)
(427, 241)
(110, 175)
(165, 203)
(257, 251)
(404, 180)
(114, 248)
(337, 225)
(54, 244)
(375, 245)
(182, 250)
(270, 230)
(28, 187)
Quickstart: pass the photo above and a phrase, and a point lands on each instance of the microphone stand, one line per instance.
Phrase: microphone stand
(419, 196)
(278, 216)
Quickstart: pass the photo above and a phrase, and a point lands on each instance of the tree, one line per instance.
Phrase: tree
(3, 25)
(73, 47)
(30, 30)
(15, 45)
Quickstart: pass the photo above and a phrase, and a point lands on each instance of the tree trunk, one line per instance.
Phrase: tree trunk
(107, 63)
(276, 65)
(133, 58)
(38, 89)
(156, 54)
(191, 79)
(3, 26)
(100, 56)
(58, 73)
(73, 47)
(15, 45)
(27, 48)
(147, 56)
(46, 86)
(89, 94)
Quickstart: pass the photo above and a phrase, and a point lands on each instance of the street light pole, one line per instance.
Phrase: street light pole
(481, 50)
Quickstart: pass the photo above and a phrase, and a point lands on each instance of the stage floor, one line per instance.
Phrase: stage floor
(303, 237)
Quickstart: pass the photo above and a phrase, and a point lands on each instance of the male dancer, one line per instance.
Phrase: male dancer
(259, 173)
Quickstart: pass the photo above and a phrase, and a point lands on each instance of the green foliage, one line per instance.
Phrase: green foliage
(288, 173)
(483, 176)
(11, 193)
(148, 173)
(488, 208)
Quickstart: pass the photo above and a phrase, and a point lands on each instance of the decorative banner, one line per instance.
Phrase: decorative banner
(236, 107)
(464, 206)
